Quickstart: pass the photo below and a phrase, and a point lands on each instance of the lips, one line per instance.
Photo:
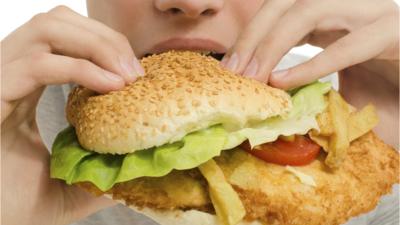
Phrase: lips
(204, 46)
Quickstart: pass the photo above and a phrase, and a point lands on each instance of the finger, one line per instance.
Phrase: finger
(290, 30)
(25, 75)
(239, 55)
(358, 46)
(66, 39)
(116, 39)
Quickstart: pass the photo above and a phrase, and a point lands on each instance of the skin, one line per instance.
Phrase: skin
(59, 46)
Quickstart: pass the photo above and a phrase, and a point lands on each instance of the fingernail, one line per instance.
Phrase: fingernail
(279, 74)
(139, 69)
(224, 61)
(113, 77)
(233, 62)
(251, 69)
(128, 69)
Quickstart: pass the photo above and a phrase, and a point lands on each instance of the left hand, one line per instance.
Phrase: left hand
(360, 39)
(351, 32)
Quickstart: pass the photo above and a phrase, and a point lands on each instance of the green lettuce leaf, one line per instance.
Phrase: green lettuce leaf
(72, 163)
(195, 149)
(307, 103)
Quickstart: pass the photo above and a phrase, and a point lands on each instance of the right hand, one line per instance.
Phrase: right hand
(57, 47)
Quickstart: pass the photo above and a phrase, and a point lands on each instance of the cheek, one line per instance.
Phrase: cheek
(131, 9)
(245, 12)
(129, 17)
(118, 14)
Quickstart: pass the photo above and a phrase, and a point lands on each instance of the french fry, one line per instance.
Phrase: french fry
(228, 206)
(339, 125)
(322, 141)
(322, 136)
(362, 121)
(339, 141)
(325, 123)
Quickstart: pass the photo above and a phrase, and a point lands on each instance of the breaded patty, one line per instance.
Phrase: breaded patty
(272, 194)
(185, 189)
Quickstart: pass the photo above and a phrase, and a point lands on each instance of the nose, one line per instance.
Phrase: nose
(190, 8)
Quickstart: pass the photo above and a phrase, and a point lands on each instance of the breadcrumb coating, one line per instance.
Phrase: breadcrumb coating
(273, 195)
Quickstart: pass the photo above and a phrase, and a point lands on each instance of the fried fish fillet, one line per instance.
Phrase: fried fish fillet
(273, 195)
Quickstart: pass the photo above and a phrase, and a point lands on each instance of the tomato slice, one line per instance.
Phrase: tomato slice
(300, 152)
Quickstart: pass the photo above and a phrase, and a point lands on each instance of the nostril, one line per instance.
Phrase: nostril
(189, 8)
(208, 12)
(175, 11)
(178, 11)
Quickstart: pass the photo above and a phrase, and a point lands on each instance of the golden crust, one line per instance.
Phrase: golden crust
(183, 189)
(182, 92)
(273, 195)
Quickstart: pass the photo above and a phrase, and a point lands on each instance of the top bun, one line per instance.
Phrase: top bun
(181, 92)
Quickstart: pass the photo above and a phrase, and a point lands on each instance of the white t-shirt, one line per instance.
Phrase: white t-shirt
(51, 120)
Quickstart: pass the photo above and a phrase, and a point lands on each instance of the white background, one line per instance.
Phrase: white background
(14, 13)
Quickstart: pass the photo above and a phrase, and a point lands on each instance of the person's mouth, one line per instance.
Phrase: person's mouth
(204, 46)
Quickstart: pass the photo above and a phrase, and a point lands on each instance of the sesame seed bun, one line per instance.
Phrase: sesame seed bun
(182, 92)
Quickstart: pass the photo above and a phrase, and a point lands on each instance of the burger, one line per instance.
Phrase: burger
(193, 143)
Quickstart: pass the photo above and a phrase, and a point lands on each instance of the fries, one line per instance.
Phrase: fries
(339, 141)
(362, 121)
(227, 204)
(321, 140)
(339, 125)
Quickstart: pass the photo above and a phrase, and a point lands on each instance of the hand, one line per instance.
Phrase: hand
(350, 31)
(57, 47)
(360, 37)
